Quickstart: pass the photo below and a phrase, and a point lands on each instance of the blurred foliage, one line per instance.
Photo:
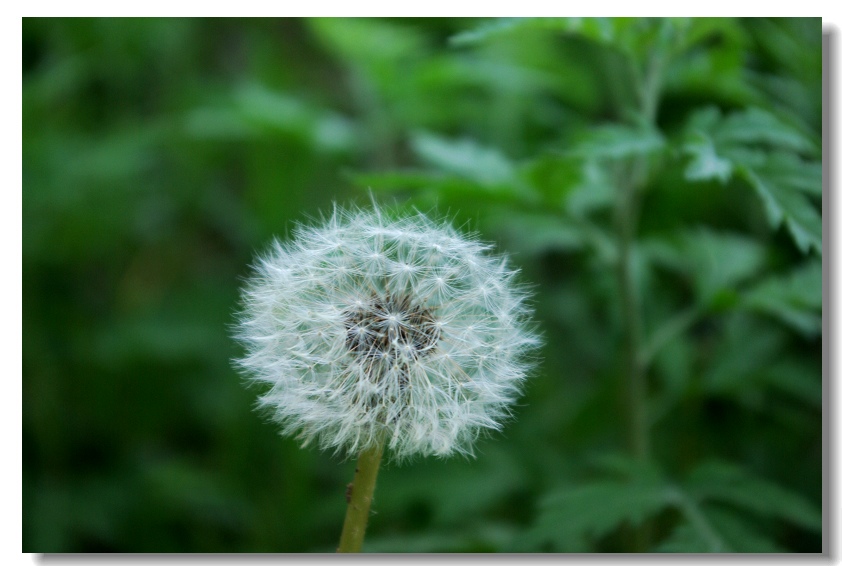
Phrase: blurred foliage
(663, 175)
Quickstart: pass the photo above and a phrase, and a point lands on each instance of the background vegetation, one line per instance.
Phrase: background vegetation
(658, 181)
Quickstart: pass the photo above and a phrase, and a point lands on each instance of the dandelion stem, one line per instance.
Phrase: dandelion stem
(359, 502)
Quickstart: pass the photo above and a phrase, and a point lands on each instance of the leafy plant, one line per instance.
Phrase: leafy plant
(658, 180)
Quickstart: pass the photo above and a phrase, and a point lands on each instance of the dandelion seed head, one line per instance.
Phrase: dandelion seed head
(372, 329)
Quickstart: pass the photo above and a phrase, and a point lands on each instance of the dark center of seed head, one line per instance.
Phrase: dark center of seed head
(390, 327)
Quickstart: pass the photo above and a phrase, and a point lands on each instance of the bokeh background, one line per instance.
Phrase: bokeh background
(657, 181)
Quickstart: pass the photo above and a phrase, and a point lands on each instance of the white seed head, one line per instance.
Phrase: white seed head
(370, 329)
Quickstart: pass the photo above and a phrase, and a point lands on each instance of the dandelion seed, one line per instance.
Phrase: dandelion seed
(370, 330)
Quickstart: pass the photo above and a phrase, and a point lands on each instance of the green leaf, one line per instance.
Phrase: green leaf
(785, 205)
(724, 532)
(574, 515)
(684, 539)
(795, 378)
(484, 537)
(790, 171)
(635, 37)
(763, 151)
(734, 485)
(367, 41)
(501, 26)
(593, 191)
(466, 158)
(715, 261)
(795, 299)
(756, 126)
(618, 142)
(705, 164)
(402, 179)
(258, 111)
(721, 261)
(536, 233)
(746, 348)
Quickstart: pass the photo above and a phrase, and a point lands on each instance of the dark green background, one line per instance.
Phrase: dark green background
(159, 155)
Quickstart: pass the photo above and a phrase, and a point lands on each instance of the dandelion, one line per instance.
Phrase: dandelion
(372, 332)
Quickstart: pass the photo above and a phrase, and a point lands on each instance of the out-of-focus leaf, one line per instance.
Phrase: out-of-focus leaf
(635, 37)
(716, 261)
(790, 171)
(756, 126)
(618, 142)
(745, 349)
(535, 233)
(795, 299)
(573, 515)
(734, 485)
(720, 261)
(739, 143)
(485, 166)
(396, 180)
(486, 538)
(685, 538)
(795, 378)
(554, 177)
(257, 110)
(367, 41)
(704, 162)
(785, 205)
(592, 511)
(730, 531)
(454, 491)
(501, 26)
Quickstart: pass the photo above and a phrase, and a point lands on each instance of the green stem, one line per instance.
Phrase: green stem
(626, 221)
(633, 325)
(359, 502)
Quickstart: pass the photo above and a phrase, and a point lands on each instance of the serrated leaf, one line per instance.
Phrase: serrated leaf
(553, 177)
(795, 299)
(722, 532)
(763, 151)
(721, 260)
(466, 158)
(717, 261)
(746, 349)
(740, 532)
(785, 205)
(704, 163)
(797, 379)
(732, 484)
(493, 537)
(617, 142)
(752, 127)
(756, 126)
(500, 26)
(535, 233)
(573, 516)
(257, 110)
(792, 172)
(365, 41)
(684, 539)
(593, 191)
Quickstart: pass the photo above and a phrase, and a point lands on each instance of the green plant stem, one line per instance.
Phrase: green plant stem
(626, 220)
(359, 502)
(633, 325)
